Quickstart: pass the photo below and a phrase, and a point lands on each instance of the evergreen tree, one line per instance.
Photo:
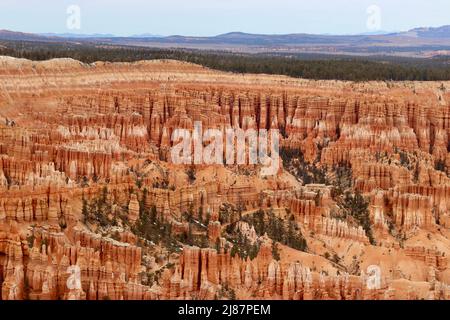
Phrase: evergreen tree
(275, 251)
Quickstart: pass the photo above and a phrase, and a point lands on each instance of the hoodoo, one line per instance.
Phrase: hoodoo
(92, 207)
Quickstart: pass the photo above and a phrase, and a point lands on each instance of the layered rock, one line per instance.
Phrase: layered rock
(75, 138)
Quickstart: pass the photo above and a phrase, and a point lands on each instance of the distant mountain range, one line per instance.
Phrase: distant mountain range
(76, 35)
(96, 35)
(434, 33)
(415, 42)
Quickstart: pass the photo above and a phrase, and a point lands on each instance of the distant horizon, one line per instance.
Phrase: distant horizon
(149, 34)
(206, 18)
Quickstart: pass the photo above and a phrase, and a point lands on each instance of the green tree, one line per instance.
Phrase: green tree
(275, 251)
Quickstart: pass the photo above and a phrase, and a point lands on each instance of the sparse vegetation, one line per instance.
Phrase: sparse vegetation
(226, 293)
(155, 229)
(242, 246)
(343, 180)
(440, 165)
(356, 207)
(294, 162)
(191, 174)
(279, 230)
(103, 211)
(275, 251)
(228, 213)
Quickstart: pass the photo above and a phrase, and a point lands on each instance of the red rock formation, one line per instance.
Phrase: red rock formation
(72, 133)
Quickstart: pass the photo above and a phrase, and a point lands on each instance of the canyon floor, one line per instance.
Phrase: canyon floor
(91, 207)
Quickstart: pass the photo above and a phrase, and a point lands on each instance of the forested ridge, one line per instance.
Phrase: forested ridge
(308, 67)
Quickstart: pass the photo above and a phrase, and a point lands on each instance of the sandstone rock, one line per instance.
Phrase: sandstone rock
(80, 128)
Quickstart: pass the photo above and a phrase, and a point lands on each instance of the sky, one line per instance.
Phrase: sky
(213, 17)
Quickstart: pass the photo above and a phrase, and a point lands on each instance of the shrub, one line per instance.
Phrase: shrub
(356, 206)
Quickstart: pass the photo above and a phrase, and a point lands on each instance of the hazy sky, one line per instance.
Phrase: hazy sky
(212, 17)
